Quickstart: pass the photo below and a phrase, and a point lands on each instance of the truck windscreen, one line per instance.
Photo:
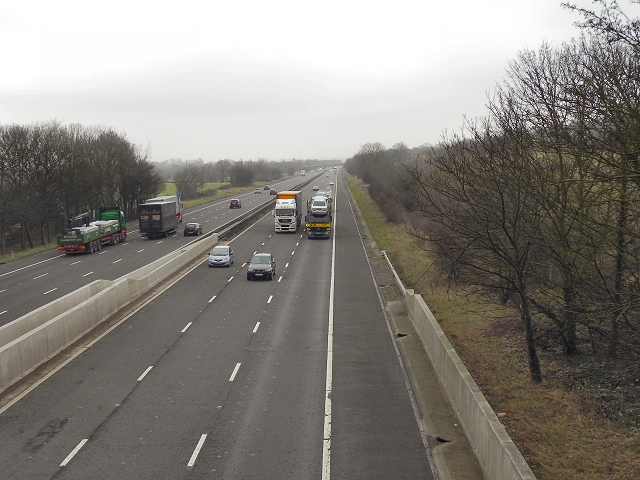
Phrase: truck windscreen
(284, 212)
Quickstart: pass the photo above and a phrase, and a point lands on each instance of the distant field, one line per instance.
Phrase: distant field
(170, 188)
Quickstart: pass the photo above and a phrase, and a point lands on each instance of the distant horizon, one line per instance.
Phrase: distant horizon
(267, 81)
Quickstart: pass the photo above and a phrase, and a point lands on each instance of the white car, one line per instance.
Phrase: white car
(319, 206)
(331, 182)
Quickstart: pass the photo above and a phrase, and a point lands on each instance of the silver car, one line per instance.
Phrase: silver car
(221, 256)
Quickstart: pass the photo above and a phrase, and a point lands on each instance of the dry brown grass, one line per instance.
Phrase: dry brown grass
(561, 437)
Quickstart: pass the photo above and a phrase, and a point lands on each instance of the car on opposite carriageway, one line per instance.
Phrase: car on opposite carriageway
(192, 229)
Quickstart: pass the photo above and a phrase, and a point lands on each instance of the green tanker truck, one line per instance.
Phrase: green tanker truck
(86, 236)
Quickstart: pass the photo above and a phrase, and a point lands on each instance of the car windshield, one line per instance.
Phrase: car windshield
(319, 203)
(220, 251)
(191, 226)
(261, 259)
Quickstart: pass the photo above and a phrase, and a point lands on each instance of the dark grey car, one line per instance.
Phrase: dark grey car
(262, 265)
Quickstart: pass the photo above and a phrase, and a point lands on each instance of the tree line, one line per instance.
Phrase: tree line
(191, 176)
(539, 201)
(50, 172)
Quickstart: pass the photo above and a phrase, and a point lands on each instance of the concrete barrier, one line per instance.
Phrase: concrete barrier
(499, 457)
(39, 316)
(36, 337)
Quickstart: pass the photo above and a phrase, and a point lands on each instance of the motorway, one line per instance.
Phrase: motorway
(34, 281)
(220, 377)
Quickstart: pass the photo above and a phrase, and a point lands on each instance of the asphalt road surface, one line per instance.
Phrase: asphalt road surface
(221, 377)
(32, 282)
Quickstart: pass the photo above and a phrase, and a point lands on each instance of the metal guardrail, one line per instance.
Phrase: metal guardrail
(231, 225)
(225, 228)
(395, 275)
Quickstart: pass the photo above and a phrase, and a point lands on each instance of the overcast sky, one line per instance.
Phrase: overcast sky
(276, 79)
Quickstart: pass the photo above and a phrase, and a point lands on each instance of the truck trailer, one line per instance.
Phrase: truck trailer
(169, 198)
(158, 219)
(86, 236)
(288, 211)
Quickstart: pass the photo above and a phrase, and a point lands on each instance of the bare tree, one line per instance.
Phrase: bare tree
(189, 179)
(611, 22)
(475, 199)
(223, 168)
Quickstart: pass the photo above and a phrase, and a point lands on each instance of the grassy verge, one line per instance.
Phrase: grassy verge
(18, 254)
(559, 436)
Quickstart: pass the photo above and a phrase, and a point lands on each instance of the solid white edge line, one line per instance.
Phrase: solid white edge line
(195, 453)
(73, 452)
(235, 372)
(255, 329)
(144, 374)
(186, 327)
(326, 441)
(414, 402)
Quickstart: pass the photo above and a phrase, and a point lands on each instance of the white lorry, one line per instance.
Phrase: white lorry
(288, 211)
